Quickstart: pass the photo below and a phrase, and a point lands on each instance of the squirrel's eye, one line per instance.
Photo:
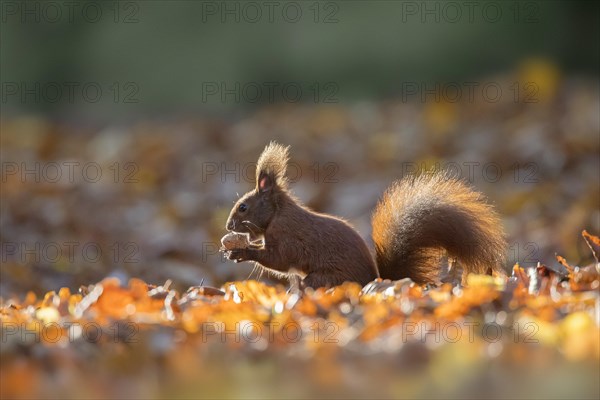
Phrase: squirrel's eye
(243, 207)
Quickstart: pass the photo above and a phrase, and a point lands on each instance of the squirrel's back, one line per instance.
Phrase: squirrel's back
(420, 218)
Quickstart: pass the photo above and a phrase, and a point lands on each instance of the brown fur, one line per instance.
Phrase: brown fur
(419, 218)
(415, 218)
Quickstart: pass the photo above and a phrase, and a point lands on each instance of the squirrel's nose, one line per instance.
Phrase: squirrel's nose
(229, 225)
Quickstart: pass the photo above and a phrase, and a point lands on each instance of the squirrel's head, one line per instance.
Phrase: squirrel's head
(253, 212)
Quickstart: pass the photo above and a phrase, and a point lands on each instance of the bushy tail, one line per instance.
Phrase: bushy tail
(421, 216)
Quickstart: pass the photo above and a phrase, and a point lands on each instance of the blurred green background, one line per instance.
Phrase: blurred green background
(170, 49)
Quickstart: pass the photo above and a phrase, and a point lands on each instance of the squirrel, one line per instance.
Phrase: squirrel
(416, 217)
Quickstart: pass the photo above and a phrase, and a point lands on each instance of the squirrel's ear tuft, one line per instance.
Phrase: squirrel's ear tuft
(271, 167)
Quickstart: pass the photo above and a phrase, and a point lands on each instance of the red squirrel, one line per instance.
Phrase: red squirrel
(416, 218)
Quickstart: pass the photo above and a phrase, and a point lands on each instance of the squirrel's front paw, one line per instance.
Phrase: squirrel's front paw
(238, 255)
